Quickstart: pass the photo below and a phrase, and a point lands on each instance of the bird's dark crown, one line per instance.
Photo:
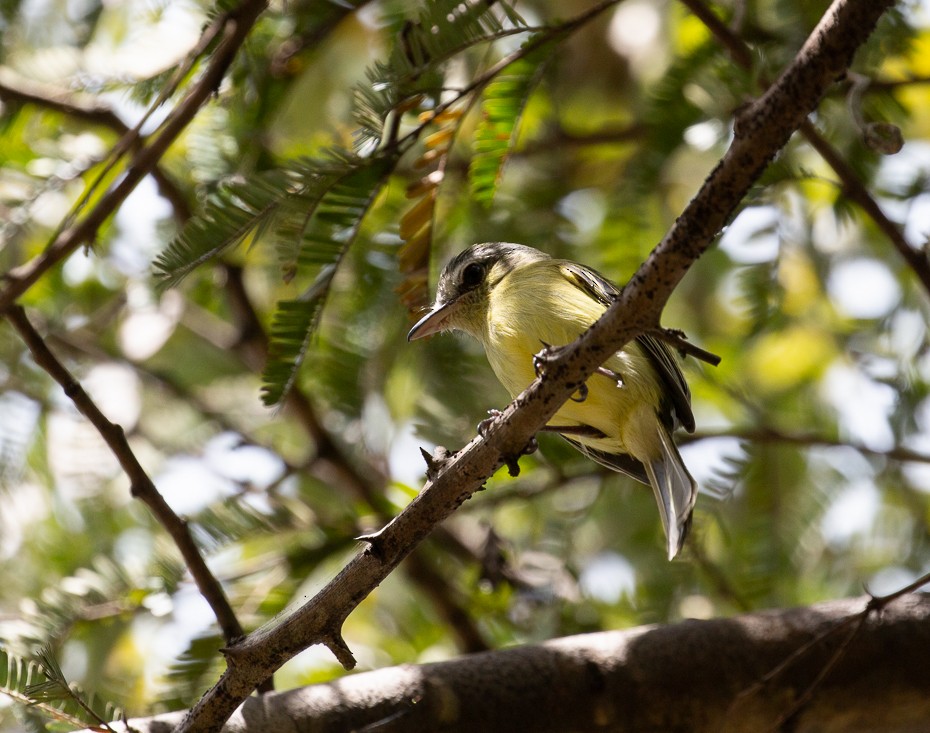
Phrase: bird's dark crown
(469, 269)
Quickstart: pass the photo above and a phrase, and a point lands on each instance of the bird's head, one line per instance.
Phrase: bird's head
(465, 283)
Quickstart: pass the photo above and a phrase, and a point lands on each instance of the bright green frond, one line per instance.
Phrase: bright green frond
(232, 213)
(322, 243)
(442, 29)
(502, 104)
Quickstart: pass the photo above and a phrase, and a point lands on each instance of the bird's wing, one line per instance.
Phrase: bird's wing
(662, 357)
(620, 462)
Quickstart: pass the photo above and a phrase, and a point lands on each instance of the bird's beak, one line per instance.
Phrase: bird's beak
(433, 322)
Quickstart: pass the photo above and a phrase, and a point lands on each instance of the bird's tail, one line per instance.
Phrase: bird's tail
(675, 490)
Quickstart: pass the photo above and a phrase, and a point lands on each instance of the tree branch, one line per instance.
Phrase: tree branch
(763, 130)
(94, 112)
(766, 435)
(724, 675)
(142, 487)
(852, 185)
(235, 28)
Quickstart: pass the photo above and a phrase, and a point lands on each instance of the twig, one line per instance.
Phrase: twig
(734, 44)
(852, 185)
(857, 192)
(855, 624)
(94, 112)
(236, 27)
(718, 578)
(678, 339)
(878, 603)
(772, 435)
(142, 487)
(331, 461)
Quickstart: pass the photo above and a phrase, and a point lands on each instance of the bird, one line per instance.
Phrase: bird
(516, 300)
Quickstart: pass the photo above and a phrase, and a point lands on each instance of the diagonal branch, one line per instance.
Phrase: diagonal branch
(142, 486)
(763, 130)
(94, 112)
(851, 183)
(236, 27)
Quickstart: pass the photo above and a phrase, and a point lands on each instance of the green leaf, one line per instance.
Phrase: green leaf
(322, 243)
(442, 29)
(502, 104)
(269, 202)
(231, 214)
(40, 684)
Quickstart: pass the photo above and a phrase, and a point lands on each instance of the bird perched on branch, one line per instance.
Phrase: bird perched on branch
(517, 300)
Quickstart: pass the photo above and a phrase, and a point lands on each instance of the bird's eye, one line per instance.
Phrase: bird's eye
(472, 275)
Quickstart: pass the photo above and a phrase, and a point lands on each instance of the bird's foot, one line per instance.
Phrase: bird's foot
(541, 358)
(483, 426)
(512, 461)
(616, 377)
(581, 395)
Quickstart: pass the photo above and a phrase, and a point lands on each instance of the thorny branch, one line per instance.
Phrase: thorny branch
(330, 458)
(764, 128)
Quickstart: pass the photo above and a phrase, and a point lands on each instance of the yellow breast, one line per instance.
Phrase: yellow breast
(535, 305)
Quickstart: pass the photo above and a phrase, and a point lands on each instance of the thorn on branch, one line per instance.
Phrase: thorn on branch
(337, 645)
(436, 461)
(375, 543)
(877, 604)
(513, 461)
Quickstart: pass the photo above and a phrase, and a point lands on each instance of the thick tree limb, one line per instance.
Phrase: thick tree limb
(718, 676)
(763, 130)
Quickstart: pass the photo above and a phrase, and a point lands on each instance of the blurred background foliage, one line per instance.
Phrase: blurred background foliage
(813, 442)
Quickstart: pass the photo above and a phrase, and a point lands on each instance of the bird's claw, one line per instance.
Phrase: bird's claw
(611, 374)
(541, 357)
(582, 394)
(513, 462)
(483, 426)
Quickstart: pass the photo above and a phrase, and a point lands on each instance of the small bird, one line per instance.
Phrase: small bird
(517, 300)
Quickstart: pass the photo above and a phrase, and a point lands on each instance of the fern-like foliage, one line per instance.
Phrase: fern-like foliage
(760, 295)
(16, 674)
(230, 520)
(192, 671)
(442, 29)
(311, 209)
(235, 211)
(40, 684)
(324, 238)
(78, 597)
(502, 105)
